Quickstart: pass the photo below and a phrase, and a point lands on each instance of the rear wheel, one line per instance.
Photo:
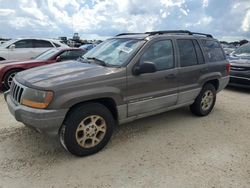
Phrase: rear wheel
(205, 101)
(8, 78)
(87, 129)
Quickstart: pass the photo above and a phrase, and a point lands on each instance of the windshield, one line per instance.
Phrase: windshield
(114, 52)
(47, 54)
(244, 50)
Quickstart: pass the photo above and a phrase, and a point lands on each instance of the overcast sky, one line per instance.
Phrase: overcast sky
(225, 19)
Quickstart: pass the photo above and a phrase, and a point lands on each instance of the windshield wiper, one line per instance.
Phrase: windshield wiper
(99, 61)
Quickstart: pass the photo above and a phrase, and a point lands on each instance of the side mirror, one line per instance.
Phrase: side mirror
(58, 58)
(145, 67)
(12, 46)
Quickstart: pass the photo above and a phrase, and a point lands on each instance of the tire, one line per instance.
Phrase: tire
(205, 101)
(2, 59)
(87, 129)
(8, 77)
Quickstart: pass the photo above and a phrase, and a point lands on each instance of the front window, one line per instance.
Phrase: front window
(160, 53)
(24, 44)
(115, 52)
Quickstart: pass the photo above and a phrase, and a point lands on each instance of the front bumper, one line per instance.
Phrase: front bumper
(240, 78)
(46, 121)
(239, 81)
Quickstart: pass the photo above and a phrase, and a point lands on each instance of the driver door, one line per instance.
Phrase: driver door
(22, 51)
(149, 92)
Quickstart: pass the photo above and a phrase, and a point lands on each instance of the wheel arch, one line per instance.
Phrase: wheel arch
(214, 82)
(12, 69)
(108, 102)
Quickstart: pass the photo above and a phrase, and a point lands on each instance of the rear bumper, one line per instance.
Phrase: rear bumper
(223, 82)
(46, 121)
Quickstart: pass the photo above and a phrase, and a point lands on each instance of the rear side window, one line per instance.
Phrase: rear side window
(187, 52)
(213, 50)
(161, 54)
(71, 54)
(199, 53)
(42, 44)
(74, 54)
(56, 45)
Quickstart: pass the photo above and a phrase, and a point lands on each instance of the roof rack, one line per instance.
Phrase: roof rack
(204, 34)
(129, 34)
(178, 32)
(169, 32)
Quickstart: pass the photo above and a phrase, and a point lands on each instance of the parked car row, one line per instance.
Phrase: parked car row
(125, 78)
(23, 49)
(8, 69)
(240, 66)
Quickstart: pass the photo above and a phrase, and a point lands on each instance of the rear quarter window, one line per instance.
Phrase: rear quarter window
(213, 50)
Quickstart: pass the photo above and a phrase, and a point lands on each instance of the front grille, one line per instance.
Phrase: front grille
(16, 91)
(238, 68)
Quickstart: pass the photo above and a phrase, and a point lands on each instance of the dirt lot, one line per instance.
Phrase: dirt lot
(173, 149)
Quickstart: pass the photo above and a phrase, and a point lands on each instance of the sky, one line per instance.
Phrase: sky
(99, 19)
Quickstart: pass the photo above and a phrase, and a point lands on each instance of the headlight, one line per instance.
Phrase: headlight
(36, 98)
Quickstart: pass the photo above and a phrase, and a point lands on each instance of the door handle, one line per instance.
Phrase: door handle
(170, 76)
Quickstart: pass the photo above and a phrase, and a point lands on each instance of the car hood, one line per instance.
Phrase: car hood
(64, 73)
(240, 62)
(16, 62)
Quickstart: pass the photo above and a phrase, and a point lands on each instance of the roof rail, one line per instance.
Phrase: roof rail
(129, 34)
(178, 32)
(204, 34)
(169, 32)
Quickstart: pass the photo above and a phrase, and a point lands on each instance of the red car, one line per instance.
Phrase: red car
(8, 69)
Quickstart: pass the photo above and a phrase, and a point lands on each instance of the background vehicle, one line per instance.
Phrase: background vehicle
(229, 49)
(8, 69)
(88, 46)
(23, 49)
(240, 67)
(122, 79)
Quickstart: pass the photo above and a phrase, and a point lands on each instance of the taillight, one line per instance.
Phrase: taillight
(228, 66)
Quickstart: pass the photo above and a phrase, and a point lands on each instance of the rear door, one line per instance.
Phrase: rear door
(153, 91)
(192, 67)
(41, 46)
(215, 56)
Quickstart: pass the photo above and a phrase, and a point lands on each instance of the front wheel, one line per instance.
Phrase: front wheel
(205, 101)
(8, 78)
(87, 129)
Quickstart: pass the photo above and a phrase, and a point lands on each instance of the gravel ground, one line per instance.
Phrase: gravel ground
(173, 149)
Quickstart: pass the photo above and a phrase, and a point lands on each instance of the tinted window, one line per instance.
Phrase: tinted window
(161, 54)
(187, 53)
(24, 44)
(56, 45)
(74, 54)
(65, 55)
(213, 50)
(42, 44)
(199, 53)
